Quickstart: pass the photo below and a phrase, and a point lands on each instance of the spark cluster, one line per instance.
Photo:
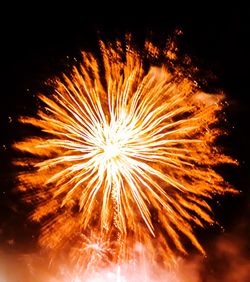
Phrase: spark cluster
(126, 157)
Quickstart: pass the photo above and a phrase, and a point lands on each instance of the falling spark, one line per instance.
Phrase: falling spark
(126, 157)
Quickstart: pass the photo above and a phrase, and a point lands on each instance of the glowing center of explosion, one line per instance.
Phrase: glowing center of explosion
(111, 151)
(112, 148)
(113, 139)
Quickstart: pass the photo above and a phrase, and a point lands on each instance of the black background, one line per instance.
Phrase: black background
(38, 42)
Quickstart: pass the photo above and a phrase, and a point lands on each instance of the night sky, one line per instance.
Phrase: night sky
(37, 44)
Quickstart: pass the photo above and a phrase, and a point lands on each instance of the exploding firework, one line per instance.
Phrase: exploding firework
(126, 158)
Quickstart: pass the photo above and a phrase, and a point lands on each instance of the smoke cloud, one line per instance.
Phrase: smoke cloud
(227, 261)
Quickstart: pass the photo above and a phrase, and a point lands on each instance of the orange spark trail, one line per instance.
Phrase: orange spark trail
(126, 158)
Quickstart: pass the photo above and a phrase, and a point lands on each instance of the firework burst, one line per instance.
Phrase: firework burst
(126, 157)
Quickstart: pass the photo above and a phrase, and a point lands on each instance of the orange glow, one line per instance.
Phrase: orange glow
(126, 158)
